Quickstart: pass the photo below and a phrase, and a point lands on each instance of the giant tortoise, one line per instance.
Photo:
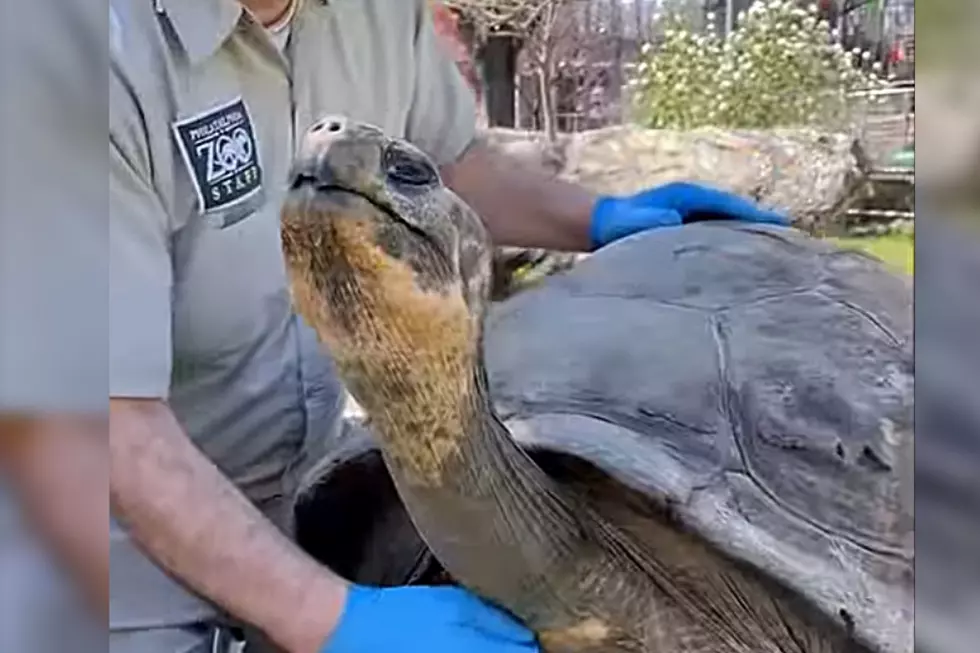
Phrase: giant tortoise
(699, 439)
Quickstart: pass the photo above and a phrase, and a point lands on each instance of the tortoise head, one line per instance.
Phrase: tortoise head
(388, 265)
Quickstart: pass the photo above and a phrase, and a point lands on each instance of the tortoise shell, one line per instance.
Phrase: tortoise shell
(756, 381)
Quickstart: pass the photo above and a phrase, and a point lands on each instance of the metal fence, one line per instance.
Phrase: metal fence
(884, 124)
(885, 120)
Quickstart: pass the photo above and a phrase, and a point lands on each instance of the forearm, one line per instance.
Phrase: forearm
(189, 518)
(535, 210)
(59, 469)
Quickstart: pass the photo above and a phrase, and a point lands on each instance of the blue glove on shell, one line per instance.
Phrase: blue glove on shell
(671, 205)
(421, 619)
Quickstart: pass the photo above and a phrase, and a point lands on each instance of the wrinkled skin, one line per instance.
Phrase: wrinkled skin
(392, 270)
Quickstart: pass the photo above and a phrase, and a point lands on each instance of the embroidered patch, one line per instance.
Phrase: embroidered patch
(221, 154)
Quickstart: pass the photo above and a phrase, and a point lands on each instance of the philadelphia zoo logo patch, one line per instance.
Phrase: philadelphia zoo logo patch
(222, 158)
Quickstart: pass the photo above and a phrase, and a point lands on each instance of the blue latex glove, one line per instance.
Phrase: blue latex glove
(671, 205)
(425, 620)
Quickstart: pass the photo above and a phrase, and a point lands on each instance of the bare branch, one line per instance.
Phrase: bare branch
(510, 17)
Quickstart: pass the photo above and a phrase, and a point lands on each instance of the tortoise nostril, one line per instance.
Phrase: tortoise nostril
(331, 125)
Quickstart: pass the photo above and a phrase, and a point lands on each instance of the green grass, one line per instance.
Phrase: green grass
(896, 250)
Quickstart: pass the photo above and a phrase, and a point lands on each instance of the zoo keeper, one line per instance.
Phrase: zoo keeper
(220, 396)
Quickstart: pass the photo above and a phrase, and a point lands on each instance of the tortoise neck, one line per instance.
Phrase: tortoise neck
(438, 430)
(491, 516)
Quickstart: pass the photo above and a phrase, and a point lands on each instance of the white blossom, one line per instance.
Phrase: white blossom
(777, 68)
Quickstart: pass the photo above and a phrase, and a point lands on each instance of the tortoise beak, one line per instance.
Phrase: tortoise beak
(335, 153)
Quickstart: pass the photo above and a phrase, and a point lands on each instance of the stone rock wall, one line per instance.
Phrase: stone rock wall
(810, 175)
(813, 177)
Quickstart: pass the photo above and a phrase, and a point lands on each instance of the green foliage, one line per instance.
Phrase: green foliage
(897, 251)
(782, 67)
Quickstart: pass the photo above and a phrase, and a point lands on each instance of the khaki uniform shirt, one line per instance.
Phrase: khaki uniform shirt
(205, 112)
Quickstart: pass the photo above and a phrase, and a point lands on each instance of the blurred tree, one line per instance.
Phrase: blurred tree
(570, 50)
(499, 30)
(780, 68)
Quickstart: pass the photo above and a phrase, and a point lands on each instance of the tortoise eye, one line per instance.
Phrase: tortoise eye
(406, 168)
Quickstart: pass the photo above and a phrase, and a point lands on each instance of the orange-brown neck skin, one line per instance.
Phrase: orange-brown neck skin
(407, 354)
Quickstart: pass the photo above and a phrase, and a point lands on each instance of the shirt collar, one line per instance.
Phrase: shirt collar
(201, 25)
